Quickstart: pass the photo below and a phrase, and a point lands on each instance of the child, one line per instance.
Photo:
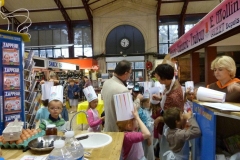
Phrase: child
(93, 119)
(178, 137)
(158, 127)
(127, 120)
(189, 96)
(64, 113)
(145, 114)
(55, 107)
(43, 112)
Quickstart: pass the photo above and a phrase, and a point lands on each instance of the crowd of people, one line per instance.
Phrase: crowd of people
(155, 130)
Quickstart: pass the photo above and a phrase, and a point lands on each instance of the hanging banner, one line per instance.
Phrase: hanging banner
(221, 19)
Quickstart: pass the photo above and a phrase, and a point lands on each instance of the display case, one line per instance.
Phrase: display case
(220, 133)
(11, 71)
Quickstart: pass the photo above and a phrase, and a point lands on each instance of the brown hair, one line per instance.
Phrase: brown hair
(45, 102)
(170, 116)
(122, 125)
(155, 108)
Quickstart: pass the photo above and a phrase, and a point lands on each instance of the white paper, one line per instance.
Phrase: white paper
(147, 86)
(46, 87)
(124, 106)
(90, 93)
(154, 90)
(210, 95)
(189, 85)
(28, 157)
(222, 106)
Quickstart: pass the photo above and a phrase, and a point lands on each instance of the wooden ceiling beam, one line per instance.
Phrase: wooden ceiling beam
(50, 9)
(12, 20)
(177, 1)
(157, 20)
(87, 9)
(181, 26)
(93, 2)
(69, 26)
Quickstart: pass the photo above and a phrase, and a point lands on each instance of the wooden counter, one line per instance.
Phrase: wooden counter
(111, 151)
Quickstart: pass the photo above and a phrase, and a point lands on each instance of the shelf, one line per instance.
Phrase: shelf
(27, 102)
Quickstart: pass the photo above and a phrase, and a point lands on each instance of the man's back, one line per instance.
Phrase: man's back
(111, 87)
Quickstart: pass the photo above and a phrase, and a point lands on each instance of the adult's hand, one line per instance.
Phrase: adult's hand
(156, 97)
(42, 82)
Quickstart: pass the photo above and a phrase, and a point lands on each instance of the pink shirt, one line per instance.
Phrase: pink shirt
(129, 139)
(90, 119)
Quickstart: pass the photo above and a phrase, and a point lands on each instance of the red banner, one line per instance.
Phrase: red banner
(221, 19)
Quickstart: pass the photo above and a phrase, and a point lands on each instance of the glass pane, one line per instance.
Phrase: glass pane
(188, 27)
(88, 51)
(65, 52)
(36, 53)
(111, 66)
(56, 36)
(42, 37)
(173, 33)
(163, 33)
(57, 53)
(87, 37)
(78, 36)
(163, 48)
(139, 65)
(49, 52)
(43, 53)
(64, 36)
(34, 38)
(78, 52)
(49, 37)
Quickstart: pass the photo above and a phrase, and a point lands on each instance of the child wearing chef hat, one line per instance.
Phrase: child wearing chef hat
(43, 112)
(145, 113)
(127, 122)
(93, 117)
(189, 96)
(55, 107)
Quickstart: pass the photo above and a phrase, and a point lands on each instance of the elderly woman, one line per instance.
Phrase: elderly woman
(172, 97)
(224, 69)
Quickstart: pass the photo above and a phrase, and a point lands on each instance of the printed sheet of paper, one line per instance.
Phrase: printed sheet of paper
(10, 54)
(222, 106)
(123, 106)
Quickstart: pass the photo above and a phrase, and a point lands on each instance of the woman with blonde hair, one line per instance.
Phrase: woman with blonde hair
(224, 68)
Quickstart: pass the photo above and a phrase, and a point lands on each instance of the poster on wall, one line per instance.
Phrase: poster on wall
(11, 78)
(10, 53)
(12, 102)
(11, 118)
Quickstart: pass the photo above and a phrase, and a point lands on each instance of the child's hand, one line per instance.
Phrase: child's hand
(187, 115)
(103, 118)
(140, 96)
(149, 142)
(135, 113)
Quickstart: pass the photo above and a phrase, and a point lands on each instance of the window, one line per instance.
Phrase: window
(188, 27)
(168, 34)
(82, 42)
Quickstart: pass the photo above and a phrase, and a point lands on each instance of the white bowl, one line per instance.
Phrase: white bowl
(95, 140)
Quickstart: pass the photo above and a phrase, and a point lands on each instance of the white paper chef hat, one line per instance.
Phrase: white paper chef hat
(189, 85)
(56, 93)
(146, 95)
(46, 88)
(123, 106)
(89, 93)
(147, 86)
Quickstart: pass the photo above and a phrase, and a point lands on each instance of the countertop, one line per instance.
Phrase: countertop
(108, 152)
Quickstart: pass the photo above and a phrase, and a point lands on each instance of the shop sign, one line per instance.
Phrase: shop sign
(221, 19)
(67, 66)
(53, 64)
